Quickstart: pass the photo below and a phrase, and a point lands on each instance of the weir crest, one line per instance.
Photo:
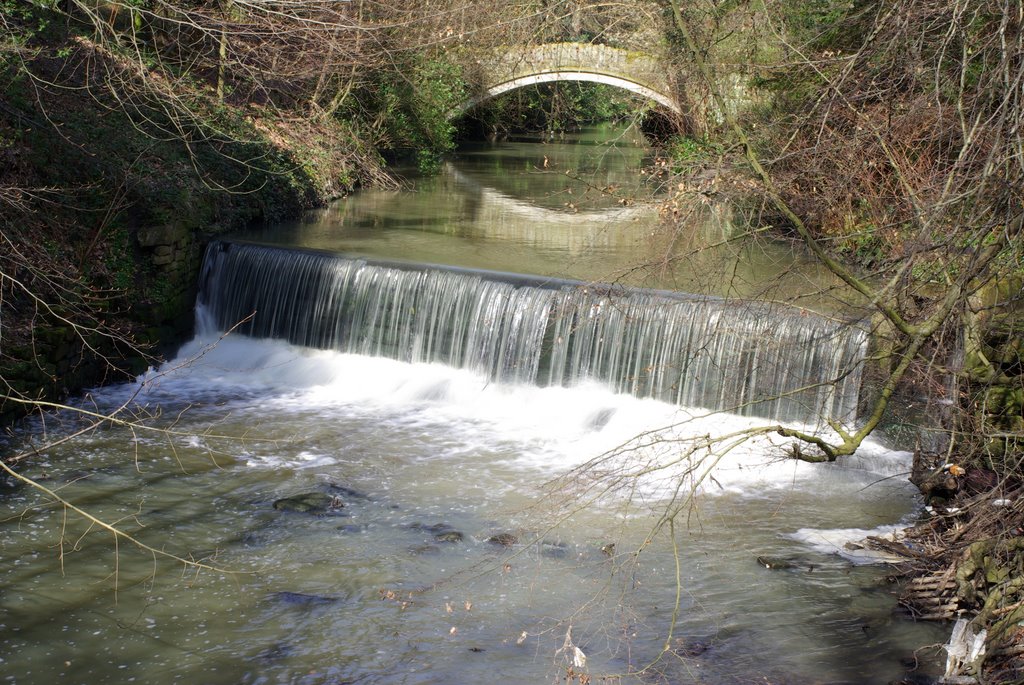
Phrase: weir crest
(747, 357)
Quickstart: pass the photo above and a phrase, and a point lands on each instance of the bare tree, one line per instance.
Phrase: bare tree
(910, 143)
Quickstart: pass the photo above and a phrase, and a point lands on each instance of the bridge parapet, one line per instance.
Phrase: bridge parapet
(505, 69)
(517, 62)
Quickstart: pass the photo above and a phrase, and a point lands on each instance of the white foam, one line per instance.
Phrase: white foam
(302, 460)
(554, 429)
(848, 542)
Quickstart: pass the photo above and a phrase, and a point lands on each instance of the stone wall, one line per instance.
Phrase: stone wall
(993, 364)
(55, 359)
(508, 64)
(174, 252)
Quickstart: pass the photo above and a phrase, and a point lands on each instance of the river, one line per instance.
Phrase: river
(527, 513)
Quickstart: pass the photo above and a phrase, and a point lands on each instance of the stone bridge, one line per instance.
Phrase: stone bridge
(506, 69)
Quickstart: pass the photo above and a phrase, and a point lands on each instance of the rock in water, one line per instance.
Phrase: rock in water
(345, 491)
(775, 562)
(554, 550)
(309, 503)
(435, 528)
(276, 652)
(503, 539)
(425, 550)
(301, 598)
(691, 648)
(442, 531)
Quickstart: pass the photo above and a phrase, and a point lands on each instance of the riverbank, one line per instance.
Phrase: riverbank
(962, 407)
(114, 179)
(963, 565)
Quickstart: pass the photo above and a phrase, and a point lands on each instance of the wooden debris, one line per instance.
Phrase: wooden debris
(966, 561)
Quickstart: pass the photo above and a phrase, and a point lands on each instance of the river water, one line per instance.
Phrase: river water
(473, 526)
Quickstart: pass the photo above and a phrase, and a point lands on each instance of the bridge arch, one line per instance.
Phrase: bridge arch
(569, 75)
(504, 70)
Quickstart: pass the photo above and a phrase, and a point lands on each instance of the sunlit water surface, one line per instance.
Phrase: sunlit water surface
(583, 207)
(379, 588)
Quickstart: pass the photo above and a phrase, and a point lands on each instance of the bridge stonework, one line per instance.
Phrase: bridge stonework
(506, 69)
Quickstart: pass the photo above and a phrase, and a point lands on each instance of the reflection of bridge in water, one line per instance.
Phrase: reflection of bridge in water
(499, 215)
(510, 68)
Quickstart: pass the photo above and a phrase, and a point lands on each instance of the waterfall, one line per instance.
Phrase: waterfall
(746, 357)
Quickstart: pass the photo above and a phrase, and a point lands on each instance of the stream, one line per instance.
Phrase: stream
(454, 444)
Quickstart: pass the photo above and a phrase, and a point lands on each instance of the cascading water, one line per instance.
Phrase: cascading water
(746, 357)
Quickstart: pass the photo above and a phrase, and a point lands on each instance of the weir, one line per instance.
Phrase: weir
(746, 357)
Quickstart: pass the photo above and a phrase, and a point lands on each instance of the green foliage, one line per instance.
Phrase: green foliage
(119, 260)
(559, 106)
(932, 272)
(866, 247)
(812, 15)
(161, 288)
(595, 103)
(412, 112)
(26, 21)
(815, 22)
(686, 151)
(30, 13)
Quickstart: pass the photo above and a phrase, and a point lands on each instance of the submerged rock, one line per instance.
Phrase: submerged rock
(554, 550)
(442, 532)
(9, 483)
(276, 652)
(309, 503)
(425, 550)
(435, 528)
(600, 419)
(301, 598)
(346, 492)
(690, 648)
